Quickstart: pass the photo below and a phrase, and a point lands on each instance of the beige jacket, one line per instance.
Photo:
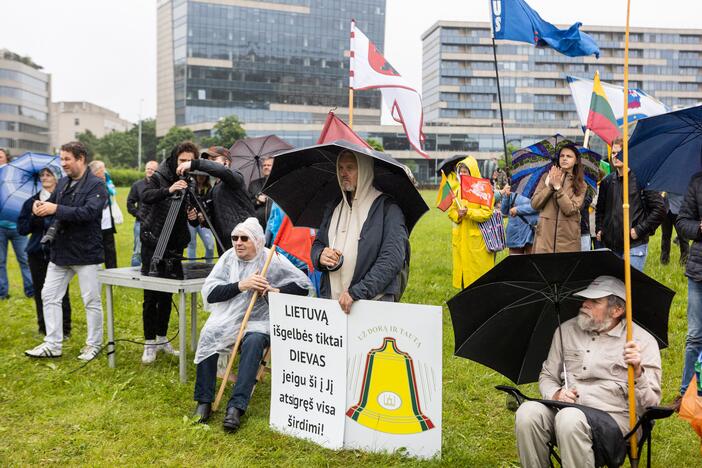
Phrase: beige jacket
(559, 217)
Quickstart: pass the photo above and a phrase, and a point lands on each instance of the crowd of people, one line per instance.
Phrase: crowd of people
(360, 250)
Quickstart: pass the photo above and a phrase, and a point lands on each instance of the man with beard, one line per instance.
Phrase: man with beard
(596, 355)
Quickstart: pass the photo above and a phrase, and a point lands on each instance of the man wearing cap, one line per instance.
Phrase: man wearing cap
(595, 354)
(230, 202)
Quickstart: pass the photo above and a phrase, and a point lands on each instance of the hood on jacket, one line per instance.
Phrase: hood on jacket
(366, 174)
(472, 165)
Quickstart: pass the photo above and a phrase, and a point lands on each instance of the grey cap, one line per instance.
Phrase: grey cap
(604, 286)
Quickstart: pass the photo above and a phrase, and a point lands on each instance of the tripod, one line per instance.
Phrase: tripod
(171, 267)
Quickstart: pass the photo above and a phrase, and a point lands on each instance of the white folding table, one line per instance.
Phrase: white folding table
(131, 277)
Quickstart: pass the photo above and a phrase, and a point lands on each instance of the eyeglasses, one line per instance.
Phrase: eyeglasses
(243, 238)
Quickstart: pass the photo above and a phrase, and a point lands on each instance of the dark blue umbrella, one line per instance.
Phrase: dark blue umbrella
(666, 150)
(19, 180)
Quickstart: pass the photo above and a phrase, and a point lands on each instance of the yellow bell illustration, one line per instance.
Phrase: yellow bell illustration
(389, 401)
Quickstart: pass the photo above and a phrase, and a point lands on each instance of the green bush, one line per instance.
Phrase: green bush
(125, 177)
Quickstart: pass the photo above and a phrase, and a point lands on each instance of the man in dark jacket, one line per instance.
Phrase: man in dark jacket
(230, 202)
(77, 249)
(361, 244)
(646, 212)
(157, 196)
(262, 204)
(689, 225)
(37, 256)
(135, 208)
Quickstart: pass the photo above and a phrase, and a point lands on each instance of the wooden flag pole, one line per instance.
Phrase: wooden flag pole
(242, 328)
(633, 445)
(351, 108)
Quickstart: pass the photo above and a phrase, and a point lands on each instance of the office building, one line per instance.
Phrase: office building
(68, 119)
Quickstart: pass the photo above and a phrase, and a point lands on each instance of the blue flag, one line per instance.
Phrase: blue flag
(514, 20)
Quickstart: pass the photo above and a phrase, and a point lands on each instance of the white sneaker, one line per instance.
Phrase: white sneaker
(44, 350)
(164, 346)
(88, 353)
(150, 349)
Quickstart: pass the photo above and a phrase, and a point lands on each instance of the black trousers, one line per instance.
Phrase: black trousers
(252, 347)
(156, 310)
(666, 234)
(108, 242)
(37, 267)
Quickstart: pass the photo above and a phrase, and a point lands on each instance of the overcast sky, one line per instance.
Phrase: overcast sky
(104, 51)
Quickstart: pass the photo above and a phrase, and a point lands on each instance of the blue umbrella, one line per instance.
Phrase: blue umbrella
(19, 180)
(666, 150)
(531, 163)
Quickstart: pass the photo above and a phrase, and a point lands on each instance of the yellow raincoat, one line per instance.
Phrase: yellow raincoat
(471, 257)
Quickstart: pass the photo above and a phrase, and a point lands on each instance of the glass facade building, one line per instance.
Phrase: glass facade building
(270, 63)
(460, 89)
(25, 96)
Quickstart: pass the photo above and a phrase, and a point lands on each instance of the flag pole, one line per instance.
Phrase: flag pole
(627, 243)
(350, 107)
(351, 59)
(499, 93)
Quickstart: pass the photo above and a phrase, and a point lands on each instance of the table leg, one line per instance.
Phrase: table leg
(110, 326)
(182, 333)
(193, 321)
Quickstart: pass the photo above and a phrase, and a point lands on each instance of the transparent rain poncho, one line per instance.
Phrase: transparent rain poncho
(222, 327)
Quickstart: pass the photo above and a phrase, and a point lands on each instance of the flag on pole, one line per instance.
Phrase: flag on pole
(640, 104)
(516, 21)
(336, 129)
(601, 117)
(476, 190)
(370, 70)
(445, 196)
(295, 241)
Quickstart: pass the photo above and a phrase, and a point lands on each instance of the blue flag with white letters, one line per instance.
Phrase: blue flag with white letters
(514, 20)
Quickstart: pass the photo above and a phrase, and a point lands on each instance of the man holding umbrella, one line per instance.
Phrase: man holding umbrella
(588, 366)
(361, 243)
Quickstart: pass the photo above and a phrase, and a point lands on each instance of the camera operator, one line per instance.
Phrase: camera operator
(231, 204)
(76, 248)
(157, 197)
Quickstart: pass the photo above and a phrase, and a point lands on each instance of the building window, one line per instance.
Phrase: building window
(76, 121)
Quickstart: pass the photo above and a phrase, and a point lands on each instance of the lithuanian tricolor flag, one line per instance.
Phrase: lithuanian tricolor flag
(601, 119)
(445, 196)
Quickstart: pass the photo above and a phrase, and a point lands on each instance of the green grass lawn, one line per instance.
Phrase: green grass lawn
(51, 413)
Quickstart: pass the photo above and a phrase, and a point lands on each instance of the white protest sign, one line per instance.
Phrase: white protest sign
(394, 383)
(308, 368)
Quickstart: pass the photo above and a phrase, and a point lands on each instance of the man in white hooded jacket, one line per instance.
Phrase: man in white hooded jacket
(227, 293)
(360, 247)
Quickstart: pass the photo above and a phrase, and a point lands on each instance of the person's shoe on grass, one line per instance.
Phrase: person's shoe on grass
(44, 350)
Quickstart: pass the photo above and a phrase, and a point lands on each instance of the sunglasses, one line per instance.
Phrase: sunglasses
(243, 238)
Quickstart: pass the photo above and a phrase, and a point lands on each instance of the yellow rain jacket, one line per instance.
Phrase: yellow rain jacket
(471, 258)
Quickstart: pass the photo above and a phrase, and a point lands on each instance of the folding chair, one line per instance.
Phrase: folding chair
(645, 423)
(263, 368)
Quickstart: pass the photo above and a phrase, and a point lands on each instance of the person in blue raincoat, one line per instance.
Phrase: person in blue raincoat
(521, 223)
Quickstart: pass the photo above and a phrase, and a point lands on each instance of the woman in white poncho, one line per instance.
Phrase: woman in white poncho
(226, 294)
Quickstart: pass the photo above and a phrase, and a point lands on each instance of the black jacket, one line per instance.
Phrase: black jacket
(78, 239)
(688, 226)
(609, 213)
(134, 203)
(27, 224)
(230, 202)
(585, 214)
(157, 200)
(381, 250)
(263, 210)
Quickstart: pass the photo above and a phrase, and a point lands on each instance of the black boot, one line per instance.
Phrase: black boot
(232, 420)
(203, 410)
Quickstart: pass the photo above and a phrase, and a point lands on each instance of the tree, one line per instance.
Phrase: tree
(375, 144)
(148, 140)
(225, 132)
(175, 136)
(90, 141)
(119, 148)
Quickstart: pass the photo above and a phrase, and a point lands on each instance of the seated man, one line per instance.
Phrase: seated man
(227, 293)
(596, 358)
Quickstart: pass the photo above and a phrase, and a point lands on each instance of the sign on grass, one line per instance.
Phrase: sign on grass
(370, 380)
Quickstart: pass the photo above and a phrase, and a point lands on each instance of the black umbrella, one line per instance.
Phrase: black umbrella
(303, 181)
(506, 318)
(248, 153)
(448, 165)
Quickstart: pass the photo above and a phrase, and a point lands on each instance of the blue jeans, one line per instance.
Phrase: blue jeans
(136, 251)
(19, 244)
(637, 256)
(207, 240)
(252, 347)
(693, 342)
